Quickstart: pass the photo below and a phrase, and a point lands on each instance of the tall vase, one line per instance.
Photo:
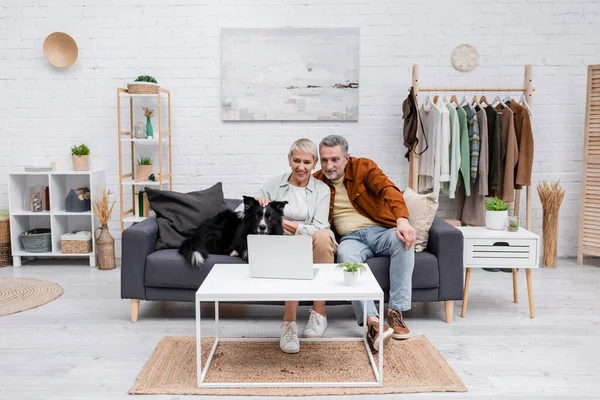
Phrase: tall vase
(105, 249)
(149, 130)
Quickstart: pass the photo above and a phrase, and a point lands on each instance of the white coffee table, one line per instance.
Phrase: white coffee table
(231, 282)
(486, 248)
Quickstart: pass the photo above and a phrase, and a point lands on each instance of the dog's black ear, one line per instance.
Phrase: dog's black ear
(278, 205)
(249, 202)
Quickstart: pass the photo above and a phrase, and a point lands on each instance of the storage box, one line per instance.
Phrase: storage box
(76, 242)
(78, 200)
(37, 240)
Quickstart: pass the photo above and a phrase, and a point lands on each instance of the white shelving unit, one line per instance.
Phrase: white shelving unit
(159, 145)
(57, 219)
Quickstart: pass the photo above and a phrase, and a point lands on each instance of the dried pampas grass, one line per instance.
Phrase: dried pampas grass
(551, 195)
(102, 209)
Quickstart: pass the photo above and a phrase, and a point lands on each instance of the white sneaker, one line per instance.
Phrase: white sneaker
(289, 342)
(316, 326)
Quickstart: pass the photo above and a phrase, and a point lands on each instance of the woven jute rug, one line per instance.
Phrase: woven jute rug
(20, 294)
(410, 366)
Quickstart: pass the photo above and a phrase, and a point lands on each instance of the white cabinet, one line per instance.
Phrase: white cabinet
(57, 219)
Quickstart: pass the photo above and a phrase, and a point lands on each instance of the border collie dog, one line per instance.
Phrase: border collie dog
(227, 234)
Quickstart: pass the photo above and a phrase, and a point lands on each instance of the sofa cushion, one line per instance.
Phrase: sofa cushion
(425, 273)
(421, 212)
(167, 268)
(179, 214)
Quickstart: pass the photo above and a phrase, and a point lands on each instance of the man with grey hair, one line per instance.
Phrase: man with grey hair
(367, 211)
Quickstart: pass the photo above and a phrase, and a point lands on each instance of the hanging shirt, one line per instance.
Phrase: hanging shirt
(429, 167)
(482, 172)
(525, 144)
(454, 150)
(465, 156)
(473, 127)
(496, 149)
(444, 151)
(506, 190)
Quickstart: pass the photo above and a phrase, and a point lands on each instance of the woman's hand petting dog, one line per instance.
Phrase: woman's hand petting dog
(263, 201)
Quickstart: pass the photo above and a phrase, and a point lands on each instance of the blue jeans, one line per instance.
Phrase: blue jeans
(379, 241)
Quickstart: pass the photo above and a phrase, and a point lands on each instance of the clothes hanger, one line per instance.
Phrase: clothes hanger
(436, 97)
(475, 100)
(507, 98)
(455, 100)
(445, 98)
(482, 100)
(498, 99)
(523, 101)
(464, 100)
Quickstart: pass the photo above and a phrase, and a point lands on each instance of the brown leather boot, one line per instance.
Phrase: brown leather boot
(396, 322)
(373, 335)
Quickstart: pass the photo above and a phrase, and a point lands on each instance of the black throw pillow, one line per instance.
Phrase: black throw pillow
(179, 214)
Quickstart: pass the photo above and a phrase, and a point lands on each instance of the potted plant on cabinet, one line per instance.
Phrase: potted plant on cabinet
(143, 169)
(143, 84)
(496, 214)
(80, 156)
(351, 272)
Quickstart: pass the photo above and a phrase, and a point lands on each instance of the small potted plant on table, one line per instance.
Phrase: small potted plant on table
(496, 214)
(80, 156)
(351, 272)
(143, 169)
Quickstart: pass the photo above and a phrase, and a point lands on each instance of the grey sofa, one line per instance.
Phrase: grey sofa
(147, 274)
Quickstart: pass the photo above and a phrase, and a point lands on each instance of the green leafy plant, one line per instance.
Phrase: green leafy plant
(495, 204)
(145, 78)
(144, 161)
(81, 150)
(351, 267)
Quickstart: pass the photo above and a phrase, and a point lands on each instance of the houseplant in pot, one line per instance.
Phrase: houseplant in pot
(496, 214)
(80, 156)
(143, 169)
(143, 84)
(351, 272)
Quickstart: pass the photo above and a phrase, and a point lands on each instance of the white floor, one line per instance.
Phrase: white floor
(82, 345)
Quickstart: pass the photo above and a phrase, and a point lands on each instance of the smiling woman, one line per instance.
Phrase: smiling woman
(307, 213)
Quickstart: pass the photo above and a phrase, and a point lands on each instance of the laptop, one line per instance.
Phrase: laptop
(280, 256)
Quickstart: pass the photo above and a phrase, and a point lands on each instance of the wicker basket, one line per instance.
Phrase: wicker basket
(5, 255)
(143, 88)
(76, 243)
(37, 240)
(4, 231)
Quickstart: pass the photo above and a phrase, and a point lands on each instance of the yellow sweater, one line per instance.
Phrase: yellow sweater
(345, 217)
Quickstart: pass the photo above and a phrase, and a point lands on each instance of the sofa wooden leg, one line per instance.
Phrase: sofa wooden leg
(135, 309)
(449, 308)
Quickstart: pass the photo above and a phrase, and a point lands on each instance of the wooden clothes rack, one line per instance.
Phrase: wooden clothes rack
(527, 89)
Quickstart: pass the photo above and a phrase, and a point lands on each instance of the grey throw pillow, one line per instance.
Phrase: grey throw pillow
(179, 214)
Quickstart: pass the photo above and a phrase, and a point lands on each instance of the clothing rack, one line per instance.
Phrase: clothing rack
(527, 89)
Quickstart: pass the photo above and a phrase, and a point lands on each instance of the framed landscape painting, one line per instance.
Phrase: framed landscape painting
(282, 74)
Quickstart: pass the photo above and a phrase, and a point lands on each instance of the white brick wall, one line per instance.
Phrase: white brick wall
(43, 110)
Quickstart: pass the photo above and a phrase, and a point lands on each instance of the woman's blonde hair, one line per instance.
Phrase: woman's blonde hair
(305, 145)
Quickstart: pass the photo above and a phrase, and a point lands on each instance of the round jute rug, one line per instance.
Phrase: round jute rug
(20, 294)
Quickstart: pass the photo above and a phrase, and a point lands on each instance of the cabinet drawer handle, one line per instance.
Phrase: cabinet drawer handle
(501, 244)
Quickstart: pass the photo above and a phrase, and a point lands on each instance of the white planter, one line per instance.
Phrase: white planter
(496, 220)
(350, 279)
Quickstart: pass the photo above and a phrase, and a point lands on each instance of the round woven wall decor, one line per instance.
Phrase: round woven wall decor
(20, 294)
(60, 49)
(465, 57)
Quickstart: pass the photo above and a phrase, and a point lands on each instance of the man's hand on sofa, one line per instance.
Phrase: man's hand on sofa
(406, 233)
